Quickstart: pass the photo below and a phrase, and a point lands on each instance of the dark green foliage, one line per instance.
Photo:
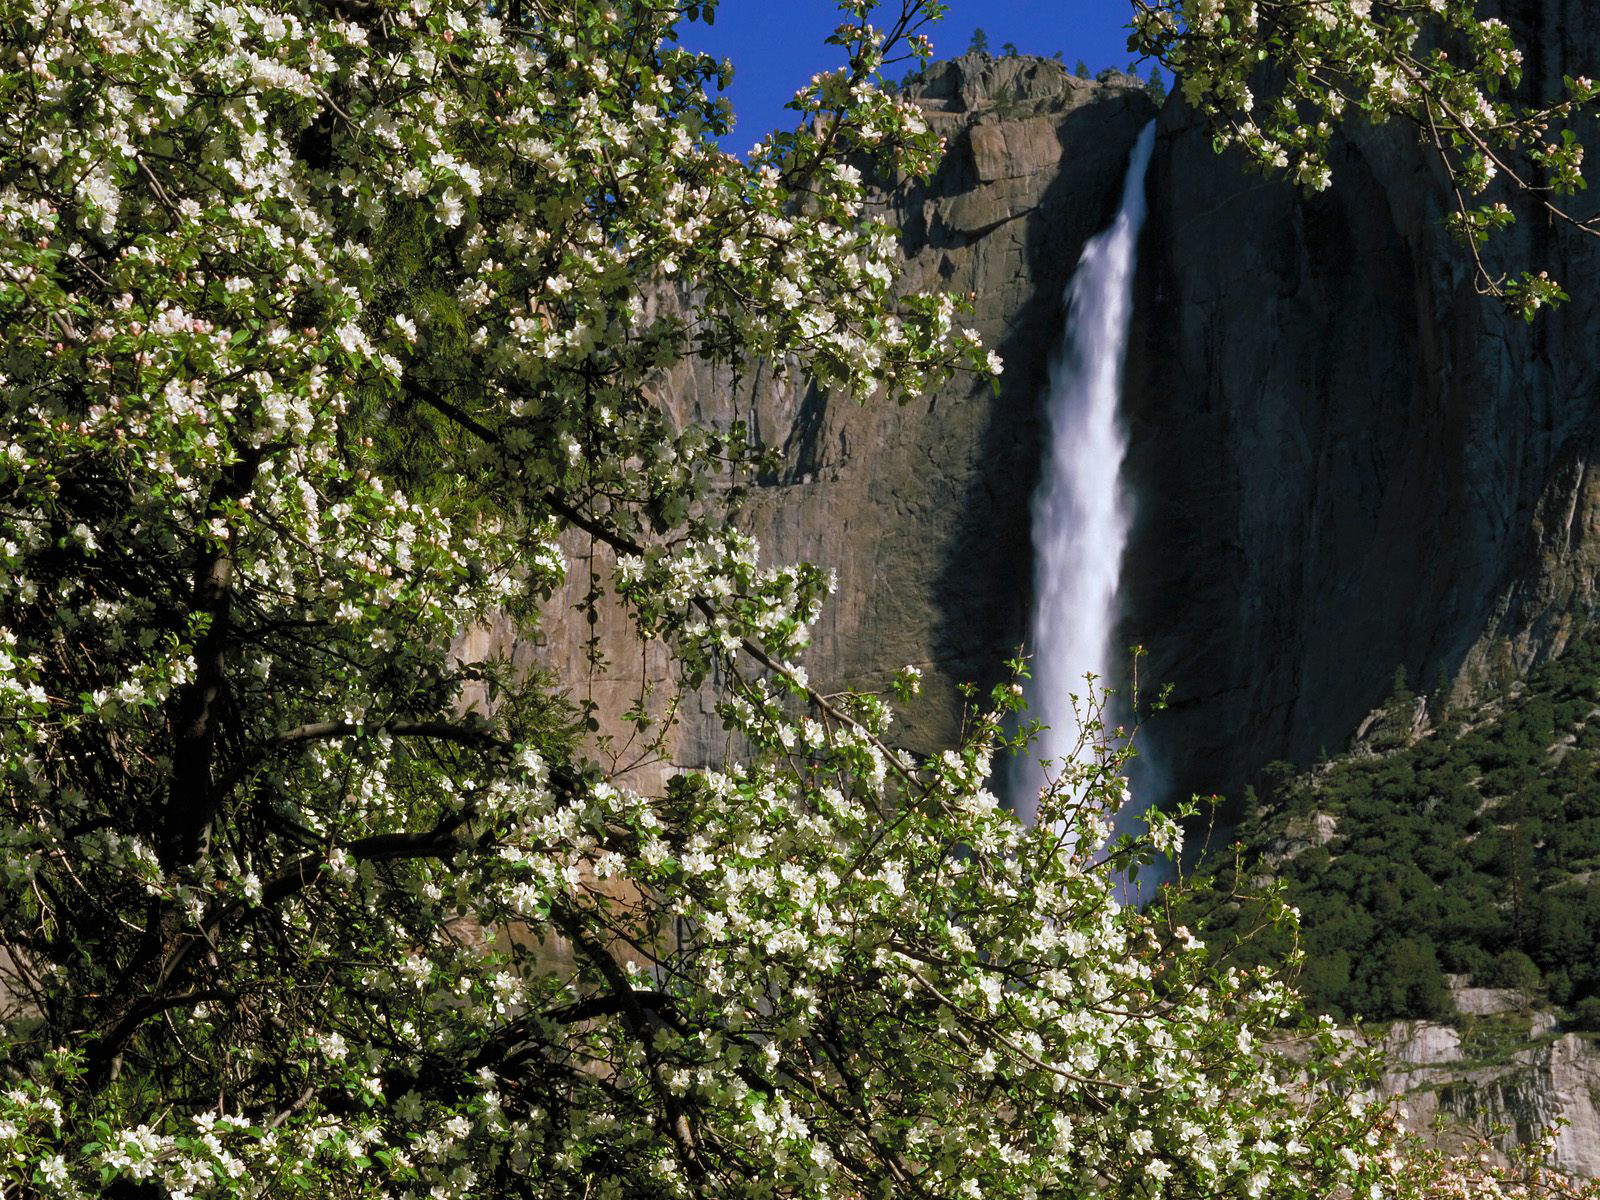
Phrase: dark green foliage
(1470, 850)
(1410, 980)
(979, 43)
(1402, 695)
(1515, 970)
(1081, 70)
(1586, 1013)
(1155, 85)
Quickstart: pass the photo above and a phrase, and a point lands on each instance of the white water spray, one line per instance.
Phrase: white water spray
(1080, 516)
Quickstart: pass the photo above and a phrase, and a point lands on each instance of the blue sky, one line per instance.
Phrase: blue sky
(776, 45)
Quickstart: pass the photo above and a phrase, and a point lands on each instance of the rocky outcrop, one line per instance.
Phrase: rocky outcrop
(1513, 1098)
(1501, 1071)
(1300, 834)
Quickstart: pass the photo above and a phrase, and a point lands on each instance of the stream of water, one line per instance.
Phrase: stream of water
(1080, 514)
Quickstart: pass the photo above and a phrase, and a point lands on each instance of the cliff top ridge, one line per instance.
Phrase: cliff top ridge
(1016, 85)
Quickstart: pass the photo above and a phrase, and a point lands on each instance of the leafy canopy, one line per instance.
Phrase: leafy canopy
(322, 324)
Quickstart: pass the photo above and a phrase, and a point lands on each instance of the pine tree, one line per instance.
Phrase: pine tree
(1156, 86)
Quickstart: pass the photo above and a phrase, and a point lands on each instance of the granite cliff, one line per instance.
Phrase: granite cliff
(1346, 460)
(1343, 459)
(921, 509)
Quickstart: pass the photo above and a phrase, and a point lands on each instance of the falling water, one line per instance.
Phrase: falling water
(1080, 517)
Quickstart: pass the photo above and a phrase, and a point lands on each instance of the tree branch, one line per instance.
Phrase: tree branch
(623, 544)
(438, 842)
(635, 1016)
(191, 799)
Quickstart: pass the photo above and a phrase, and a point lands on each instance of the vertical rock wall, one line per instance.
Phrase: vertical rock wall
(1345, 460)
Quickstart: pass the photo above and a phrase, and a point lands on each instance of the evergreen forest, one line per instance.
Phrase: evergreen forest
(1449, 841)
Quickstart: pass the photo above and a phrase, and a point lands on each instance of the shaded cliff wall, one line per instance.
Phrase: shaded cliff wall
(1345, 460)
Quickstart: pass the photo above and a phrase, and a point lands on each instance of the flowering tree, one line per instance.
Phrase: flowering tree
(1453, 74)
(322, 322)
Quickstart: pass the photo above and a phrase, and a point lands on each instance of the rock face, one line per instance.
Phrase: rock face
(1521, 1094)
(1344, 459)
(1501, 1071)
(923, 509)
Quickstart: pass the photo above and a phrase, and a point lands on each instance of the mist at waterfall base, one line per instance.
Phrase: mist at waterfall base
(1080, 513)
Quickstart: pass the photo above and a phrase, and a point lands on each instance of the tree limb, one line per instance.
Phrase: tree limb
(192, 799)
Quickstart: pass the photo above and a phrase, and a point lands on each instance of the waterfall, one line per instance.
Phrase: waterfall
(1080, 516)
